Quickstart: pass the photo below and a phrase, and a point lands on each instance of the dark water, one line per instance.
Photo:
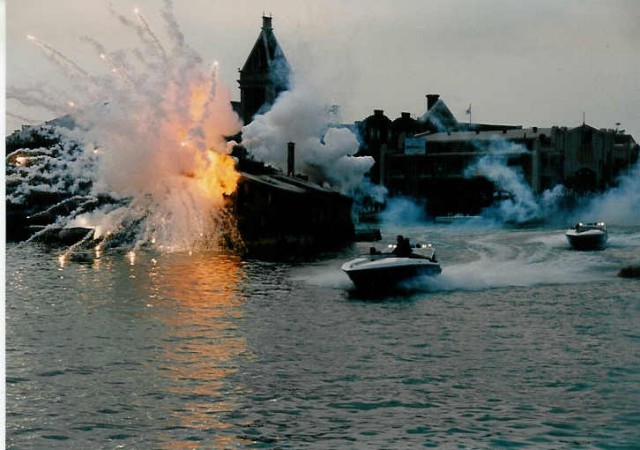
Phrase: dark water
(521, 342)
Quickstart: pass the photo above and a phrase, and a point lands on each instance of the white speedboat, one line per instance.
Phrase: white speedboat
(587, 236)
(384, 270)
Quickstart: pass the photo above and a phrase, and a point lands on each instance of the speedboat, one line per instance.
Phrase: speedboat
(457, 218)
(587, 236)
(384, 270)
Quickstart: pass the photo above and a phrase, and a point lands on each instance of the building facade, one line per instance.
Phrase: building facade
(429, 157)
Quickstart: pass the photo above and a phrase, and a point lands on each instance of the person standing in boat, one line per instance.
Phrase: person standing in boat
(403, 247)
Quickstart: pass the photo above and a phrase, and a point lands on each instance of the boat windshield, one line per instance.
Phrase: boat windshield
(579, 227)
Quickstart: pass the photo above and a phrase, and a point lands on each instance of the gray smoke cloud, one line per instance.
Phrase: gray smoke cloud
(324, 150)
(620, 205)
(521, 204)
(403, 211)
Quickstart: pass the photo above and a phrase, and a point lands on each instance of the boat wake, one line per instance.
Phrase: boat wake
(543, 259)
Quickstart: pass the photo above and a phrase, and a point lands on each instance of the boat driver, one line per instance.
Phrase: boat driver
(403, 247)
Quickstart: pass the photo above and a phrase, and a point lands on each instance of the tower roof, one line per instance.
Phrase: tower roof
(267, 55)
(265, 74)
(439, 116)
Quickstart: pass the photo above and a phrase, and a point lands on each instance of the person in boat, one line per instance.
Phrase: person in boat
(403, 247)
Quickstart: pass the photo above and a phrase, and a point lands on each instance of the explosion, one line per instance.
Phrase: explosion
(153, 132)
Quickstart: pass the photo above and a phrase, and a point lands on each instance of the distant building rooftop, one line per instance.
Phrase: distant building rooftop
(511, 134)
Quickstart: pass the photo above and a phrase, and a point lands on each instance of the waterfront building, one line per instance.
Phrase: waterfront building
(428, 157)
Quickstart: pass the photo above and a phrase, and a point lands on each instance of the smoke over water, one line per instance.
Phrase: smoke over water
(152, 134)
(520, 204)
(619, 205)
(402, 211)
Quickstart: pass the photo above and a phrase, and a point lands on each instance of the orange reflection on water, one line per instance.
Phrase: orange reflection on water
(198, 299)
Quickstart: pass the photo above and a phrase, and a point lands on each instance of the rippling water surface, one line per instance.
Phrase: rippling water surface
(521, 342)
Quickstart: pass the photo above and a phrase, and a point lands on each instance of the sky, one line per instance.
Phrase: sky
(531, 63)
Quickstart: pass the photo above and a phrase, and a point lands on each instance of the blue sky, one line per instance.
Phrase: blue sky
(538, 63)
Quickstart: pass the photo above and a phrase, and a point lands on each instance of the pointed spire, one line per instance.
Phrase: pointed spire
(265, 73)
(266, 23)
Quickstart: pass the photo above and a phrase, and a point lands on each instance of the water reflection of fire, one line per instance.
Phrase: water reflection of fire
(200, 304)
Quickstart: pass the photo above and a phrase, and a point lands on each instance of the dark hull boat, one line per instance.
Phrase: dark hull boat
(383, 271)
(587, 236)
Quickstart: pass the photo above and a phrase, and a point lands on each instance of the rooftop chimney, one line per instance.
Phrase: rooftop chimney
(291, 159)
(266, 23)
(378, 112)
(405, 115)
(431, 100)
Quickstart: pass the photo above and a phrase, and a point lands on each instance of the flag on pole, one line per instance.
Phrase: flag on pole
(469, 110)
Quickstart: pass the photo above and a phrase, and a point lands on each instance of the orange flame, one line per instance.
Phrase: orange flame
(220, 178)
(200, 157)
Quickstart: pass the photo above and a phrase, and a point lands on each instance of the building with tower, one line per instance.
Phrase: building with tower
(264, 76)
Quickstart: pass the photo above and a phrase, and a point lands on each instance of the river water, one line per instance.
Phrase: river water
(521, 342)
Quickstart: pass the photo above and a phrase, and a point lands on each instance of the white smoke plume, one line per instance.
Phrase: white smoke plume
(620, 205)
(324, 152)
(553, 205)
(520, 204)
(403, 211)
